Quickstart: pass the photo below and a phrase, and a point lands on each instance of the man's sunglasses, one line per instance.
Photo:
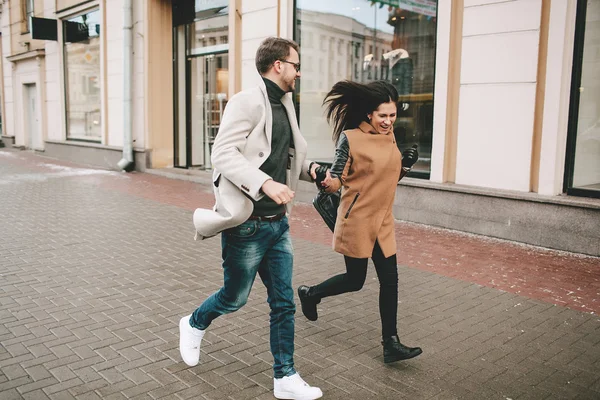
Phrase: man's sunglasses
(296, 65)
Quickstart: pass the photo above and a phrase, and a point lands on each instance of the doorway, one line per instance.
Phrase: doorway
(203, 84)
(208, 97)
(201, 77)
(33, 133)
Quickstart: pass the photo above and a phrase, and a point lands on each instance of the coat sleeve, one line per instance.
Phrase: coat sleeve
(242, 114)
(341, 158)
(305, 171)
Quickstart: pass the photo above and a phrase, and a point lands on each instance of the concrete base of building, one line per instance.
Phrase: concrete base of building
(94, 154)
(558, 222)
(8, 141)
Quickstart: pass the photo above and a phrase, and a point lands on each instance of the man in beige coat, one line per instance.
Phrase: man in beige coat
(258, 156)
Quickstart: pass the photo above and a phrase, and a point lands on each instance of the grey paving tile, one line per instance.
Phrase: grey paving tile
(96, 278)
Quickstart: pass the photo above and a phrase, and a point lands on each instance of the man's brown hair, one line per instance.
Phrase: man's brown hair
(271, 50)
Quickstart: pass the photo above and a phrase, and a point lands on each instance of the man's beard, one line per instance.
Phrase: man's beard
(290, 85)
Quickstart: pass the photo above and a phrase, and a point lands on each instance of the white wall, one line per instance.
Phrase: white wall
(557, 96)
(54, 98)
(139, 127)
(497, 93)
(259, 21)
(114, 73)
(442, 62)
(8, 127)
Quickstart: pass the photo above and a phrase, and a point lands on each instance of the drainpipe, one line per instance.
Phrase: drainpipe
(126, 162)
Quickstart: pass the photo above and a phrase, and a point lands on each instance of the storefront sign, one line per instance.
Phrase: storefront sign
(44, 29)
(424, 7)
(75, 32)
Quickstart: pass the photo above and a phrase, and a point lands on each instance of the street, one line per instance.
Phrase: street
(97, 267)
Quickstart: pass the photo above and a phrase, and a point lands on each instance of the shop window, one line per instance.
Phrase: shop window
(582, 176)
(393, 36)
(82, 76)
(209, 32)
(201, 82)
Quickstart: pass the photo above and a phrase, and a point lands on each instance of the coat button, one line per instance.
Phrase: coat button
(261, 154)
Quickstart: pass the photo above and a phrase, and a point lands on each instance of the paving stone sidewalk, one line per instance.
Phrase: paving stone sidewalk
(97, 267)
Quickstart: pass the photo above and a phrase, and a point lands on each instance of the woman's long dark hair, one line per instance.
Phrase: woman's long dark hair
(348, 103)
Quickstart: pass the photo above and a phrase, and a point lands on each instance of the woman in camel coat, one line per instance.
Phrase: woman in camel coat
(367, 166)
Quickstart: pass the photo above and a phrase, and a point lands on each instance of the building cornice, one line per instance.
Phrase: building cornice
(27, 55)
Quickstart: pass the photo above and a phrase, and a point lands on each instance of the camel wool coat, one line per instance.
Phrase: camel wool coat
(369, 183)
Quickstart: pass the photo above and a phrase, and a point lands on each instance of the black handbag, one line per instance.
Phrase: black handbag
(327, 205)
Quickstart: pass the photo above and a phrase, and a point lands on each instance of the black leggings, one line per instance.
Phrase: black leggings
(354, 278)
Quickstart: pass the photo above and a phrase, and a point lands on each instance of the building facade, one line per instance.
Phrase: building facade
(501, 98)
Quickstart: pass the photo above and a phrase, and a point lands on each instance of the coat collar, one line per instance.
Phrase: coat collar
(367, 128)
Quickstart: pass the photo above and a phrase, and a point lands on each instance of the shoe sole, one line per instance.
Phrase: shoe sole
(290, 396)
(183, 321)
(388, 360)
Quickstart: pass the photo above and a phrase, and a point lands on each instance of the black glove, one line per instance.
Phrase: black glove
(320, 171)
(410, 157)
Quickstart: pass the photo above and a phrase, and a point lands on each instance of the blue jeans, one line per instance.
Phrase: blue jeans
(266, 248)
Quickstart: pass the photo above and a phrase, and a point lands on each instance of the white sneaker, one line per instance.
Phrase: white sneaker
(189, 341)
(294, 388)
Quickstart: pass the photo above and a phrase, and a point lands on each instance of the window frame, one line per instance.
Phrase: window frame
(573, 121)
(68, 136)
(357, 51)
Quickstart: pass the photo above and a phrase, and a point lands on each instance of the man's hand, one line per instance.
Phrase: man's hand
(278, 192)
(320, 175)
(313, 170)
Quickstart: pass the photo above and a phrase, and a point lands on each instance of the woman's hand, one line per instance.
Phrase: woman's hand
(330, 184)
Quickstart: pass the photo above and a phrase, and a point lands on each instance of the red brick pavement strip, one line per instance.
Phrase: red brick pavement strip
(561, 278)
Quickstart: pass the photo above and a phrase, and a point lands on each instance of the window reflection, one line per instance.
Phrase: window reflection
(82, 75)
(209, 32)
(364, 40)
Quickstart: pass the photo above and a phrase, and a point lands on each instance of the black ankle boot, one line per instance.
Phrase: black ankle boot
(393, 350)
(309, 300)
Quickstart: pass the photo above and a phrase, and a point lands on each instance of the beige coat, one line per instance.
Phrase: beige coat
(242, 145)
(369, 185)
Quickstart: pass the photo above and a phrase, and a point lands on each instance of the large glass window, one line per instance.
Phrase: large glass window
(583, 175)
(82, 76)
(202, 78)
(363, 41)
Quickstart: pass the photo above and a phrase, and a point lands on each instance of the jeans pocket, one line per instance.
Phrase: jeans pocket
(245, 230)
